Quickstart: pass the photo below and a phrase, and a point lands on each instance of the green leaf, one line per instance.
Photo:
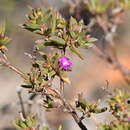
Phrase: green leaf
(53, 43)
(73, 35)
(46, 16)
(43, 55)
(45, 128)
(74, 49)
(29, 122)
(45, 71)
(73, 23)
(100, 110)
(89, 45)
(93, 3)
(35, 120)
(23, 124)
(52, 73)
(58, 40)
(44, 83)
(32, 27)
(27, 76)
(17, 126)
(53, 24)
(84, 104)
(5, 41)
(40, 63)
(94, 106)
(92, 39)
(60, 127)
(2, 29)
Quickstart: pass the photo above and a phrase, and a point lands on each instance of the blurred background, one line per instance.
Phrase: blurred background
(88, 76)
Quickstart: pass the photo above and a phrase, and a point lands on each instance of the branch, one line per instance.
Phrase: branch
(5, 62)
(21, 102)
(74, 114)
(59, 95)
(61, 86)
(125, 73)
(70, 109)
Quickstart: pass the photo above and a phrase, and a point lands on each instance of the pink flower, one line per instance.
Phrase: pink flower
(65, 63)
(129, 118)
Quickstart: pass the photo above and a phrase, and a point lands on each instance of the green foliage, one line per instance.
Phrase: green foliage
(120, 110)
(108, 13)
(98, 7)
(59, 33)
(49, 103)
(27, 124)
(115, 125)
(44, 71)
(118, 104)
(4, 40)
(30, 123)
(65, 36)
(124, 3)
(83, 106)
(60, 127)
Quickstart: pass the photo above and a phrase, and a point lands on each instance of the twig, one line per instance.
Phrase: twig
(61, 86)
(73, 113)
(15, 69)
(84, 115)
(116, 63)
(56, 94)
(109, 36)
(70, 109)
(5, 62)
(33, 95)
(21, 102)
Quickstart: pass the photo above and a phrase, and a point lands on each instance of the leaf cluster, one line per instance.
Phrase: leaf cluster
(115, 125)
(87, 109)
(30, 123)
(97, 7)
(27, 124)
(57, 32)
(120, 109)
(4, 40)
(118, 104)
(43, 71)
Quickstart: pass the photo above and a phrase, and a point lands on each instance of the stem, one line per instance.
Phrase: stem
(16, 70)
(61, 86)
(69, 107)
(125, 73)
(32, 96)
(74, 114)
(5, 62)
(21, 103)
(55, 93)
